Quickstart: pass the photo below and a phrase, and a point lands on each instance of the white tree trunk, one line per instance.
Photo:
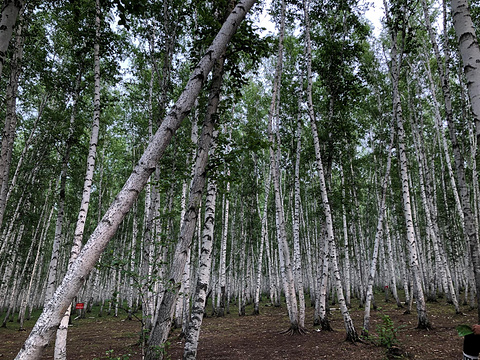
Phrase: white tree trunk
(273, 133)
(345, 240)
(391, 266)
(167, 306)
(470, 52)
(203, 276)
(60, 352)
(263, 239)
(10, 126)
(298, 271)
(396, 56)
(378, 237)
(56, 307)
(8, 17)
(46, 224)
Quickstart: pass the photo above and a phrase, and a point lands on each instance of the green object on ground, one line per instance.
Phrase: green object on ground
(464, 330)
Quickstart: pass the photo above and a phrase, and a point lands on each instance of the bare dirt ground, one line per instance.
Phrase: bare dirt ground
(259, 337)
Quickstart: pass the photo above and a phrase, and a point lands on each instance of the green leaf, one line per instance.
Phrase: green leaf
(464, 330)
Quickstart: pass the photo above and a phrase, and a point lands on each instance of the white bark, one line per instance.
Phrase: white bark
(346, 274)
(470, 52)
(323, 267)
(203, 276)
(223, 248)
(378, 237)
(56, 307)
(167, 306)
(44, 224)
(57, 240)
(351, 332)
(10, 126)
(223, 253)
(273, 133)
(396, 62)
(270, 266)
(263, 239)
(183, 313)
(298, 271)
(60, 352)
(391, 266)
(8, 17)
(133, 246)
(308, 250)
(440, 260)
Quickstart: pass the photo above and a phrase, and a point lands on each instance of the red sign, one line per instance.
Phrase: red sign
(386, 287)
(79, 306)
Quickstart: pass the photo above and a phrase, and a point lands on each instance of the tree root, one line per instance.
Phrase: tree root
(325, 325)
(295, 330)
(424, 326)
(353, 338)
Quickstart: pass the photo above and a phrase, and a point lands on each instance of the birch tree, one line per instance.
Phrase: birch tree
(203, 277)
(378, 237)
(396, 56)
(329, 245)
(470, 53)
(8, 17)
(286, 267)
(63, 296)
(298, 271)
(10, 125)
(61, 339)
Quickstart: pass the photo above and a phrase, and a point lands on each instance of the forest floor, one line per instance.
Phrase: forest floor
(260, 337)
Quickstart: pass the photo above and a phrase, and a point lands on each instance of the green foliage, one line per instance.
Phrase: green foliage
(161, 350)
(464, 330)
(386, 333)
(110, 356)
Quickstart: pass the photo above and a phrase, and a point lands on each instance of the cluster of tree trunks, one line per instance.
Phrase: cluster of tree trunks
(270, 199)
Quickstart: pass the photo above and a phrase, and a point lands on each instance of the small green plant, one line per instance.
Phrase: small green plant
(386, 333)
(162, 350)
(109, 356)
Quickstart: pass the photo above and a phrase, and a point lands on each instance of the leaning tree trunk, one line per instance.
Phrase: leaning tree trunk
(426, 195)
(58, 235)
(73, 280)
(43, 223)
(203, 275)
(470, 52)
(162, 325)
(61, 340)
(205, 261)
(423, 321)
(330, 241)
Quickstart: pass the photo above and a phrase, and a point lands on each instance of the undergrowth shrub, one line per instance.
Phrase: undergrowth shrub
(386, 333)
